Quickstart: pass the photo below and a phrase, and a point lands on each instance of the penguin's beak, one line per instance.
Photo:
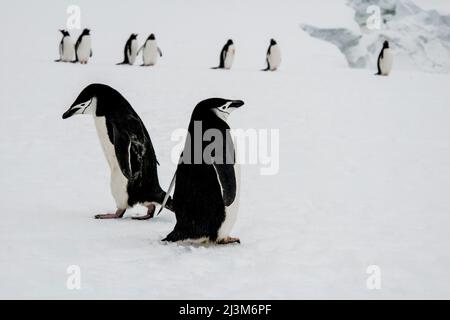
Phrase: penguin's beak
(70, 112)
(236, 103)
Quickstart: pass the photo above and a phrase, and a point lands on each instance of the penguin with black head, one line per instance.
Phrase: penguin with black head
(150, 51)
(226, 56)
(83, 49)
(273, 56)
(385, 60)
(127, 147)
(66, 48)
(130, 50)
(207, 179)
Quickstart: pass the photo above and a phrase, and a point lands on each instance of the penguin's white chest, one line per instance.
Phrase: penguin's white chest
(84, 49)
(274, 57)
(150, 53)
(119, 182)
(68, 50)
(386, 62)
(133, 52)
(231, 211)
(229, 57)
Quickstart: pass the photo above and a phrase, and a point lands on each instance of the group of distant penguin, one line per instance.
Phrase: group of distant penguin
(82, 51)
(206, 192)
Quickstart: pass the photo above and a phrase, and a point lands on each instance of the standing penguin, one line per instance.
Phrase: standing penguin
(385, 60)
(226, 56)
(66, 47)
(83, 50)
(207, 178)
(130, 51)
(150, 51)
(127, 147)
(273, 56)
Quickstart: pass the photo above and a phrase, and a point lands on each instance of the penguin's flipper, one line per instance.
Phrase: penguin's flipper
(160, 52)
(268, 65)
(224, 167)
(227, 180)
(142, 47)
(128, 151)
(90, 55)
(167, 196)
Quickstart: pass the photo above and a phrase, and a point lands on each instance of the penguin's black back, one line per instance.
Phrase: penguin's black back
(223, 54)
(134, 150)
(380, 56)
(126, 49)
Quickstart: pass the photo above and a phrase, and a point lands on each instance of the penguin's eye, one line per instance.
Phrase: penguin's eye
(223, 108)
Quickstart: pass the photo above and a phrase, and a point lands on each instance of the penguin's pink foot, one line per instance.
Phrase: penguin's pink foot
(119, 214)
(228, 240)
(149, 215)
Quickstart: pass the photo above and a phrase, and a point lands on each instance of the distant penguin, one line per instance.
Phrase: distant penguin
(273, 56)
(150, 51)
(66, 48)
(227, 56)
(83, 49)
(385, 60)
(207, 182)
(127, 147)
(130, 51)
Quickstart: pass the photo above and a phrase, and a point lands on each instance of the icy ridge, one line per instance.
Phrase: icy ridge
(420, 38)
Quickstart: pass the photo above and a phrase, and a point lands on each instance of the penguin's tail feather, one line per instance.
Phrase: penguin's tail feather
(168, 202)
(265, 69)
(214, 68)
(174, 236)
(120, 63)
(58, 60)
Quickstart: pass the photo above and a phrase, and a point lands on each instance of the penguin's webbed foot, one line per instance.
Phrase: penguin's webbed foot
(228, 240)
(149, 215)
(119, 214)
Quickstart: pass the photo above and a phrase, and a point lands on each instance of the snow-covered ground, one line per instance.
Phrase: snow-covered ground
(364, 161)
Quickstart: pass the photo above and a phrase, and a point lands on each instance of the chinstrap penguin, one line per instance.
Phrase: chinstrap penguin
(273, 56)
(127, 147)
(66, 48)
(207, 183)
(83, 49)
(130, 50)
(150, 51)
(226, 56)
(385, 60)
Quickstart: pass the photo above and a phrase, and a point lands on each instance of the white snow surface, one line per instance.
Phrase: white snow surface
(364, 173)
